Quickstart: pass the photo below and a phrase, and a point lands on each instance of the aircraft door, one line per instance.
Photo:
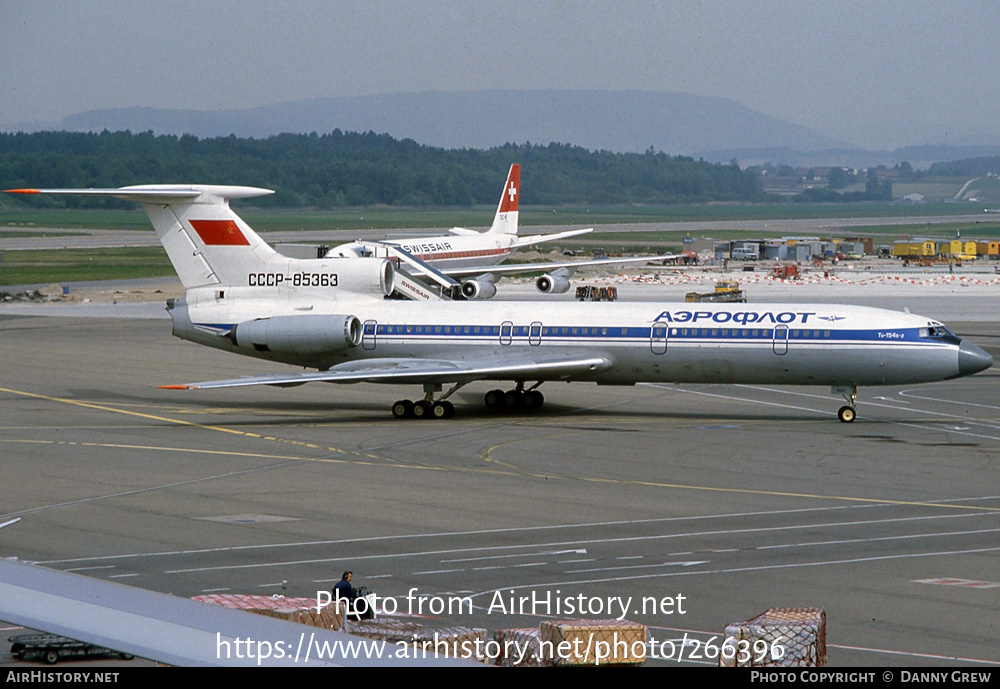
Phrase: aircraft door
(506, 332)
(535, 334)
(368, 333)
(658, 335)
(780, 341)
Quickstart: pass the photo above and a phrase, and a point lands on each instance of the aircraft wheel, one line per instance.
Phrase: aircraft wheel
(52, 657)
(421, 409)
(402, 409)
(513, 399)
(443, 410)
(494, 399)
(533, 400)
(846, 414)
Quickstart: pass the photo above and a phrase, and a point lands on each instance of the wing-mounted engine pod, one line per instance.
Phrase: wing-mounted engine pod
(308, 334)
(388, 279)
(479, 289)
(552, 284)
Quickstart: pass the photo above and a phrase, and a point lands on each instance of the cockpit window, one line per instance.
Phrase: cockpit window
(936, 331)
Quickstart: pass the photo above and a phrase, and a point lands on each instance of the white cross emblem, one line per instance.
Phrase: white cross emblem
(512, 192)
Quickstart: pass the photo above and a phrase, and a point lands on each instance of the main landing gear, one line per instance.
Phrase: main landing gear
(516, 399)
(428, 407)
(423, 409)
(847, 413)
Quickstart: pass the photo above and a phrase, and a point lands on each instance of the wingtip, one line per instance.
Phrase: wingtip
(22, 191)
(176, 387)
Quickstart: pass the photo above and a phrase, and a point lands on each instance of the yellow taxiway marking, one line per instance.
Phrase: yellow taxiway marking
(183, 422)
(487, 456)
(356, 461)
(510, 469)
(784, 494)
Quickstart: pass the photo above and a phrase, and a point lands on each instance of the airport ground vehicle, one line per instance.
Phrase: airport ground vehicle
(725, 291)
(52, 648)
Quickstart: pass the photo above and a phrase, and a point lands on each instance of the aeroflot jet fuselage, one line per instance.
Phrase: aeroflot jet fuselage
(609, 344)
(331, 315)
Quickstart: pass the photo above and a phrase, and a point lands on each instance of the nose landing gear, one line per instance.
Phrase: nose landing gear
(847, 413)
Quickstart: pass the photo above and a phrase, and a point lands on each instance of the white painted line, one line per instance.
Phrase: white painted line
(613, 540)
(966, 583)
(733, 570)
(438, 571)
(481, 532)
(661, 564)
(579, 551)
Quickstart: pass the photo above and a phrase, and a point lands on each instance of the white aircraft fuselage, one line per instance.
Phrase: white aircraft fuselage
(461, 248)
(444, 252)
(806, 344)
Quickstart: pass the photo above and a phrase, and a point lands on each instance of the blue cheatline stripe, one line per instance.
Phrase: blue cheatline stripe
(643, 333)
(674, 333)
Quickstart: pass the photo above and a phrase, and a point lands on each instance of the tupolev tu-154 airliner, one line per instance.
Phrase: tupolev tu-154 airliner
(332, 315)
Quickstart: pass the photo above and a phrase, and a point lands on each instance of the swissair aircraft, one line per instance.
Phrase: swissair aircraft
(474, 257)
(330, 314)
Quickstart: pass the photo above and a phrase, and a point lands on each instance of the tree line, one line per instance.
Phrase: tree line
(969, 167)
(341, 169)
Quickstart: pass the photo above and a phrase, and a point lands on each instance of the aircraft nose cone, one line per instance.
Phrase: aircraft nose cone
(971, 359)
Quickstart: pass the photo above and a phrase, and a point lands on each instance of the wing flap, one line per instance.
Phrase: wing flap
(420, 371)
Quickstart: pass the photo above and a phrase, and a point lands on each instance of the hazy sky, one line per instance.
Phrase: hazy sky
(840, 67)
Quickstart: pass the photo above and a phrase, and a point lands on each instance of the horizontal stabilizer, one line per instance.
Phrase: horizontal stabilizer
(156, 193)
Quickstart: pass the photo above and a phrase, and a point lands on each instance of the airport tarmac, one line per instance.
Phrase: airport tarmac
(98, 238)
(713, 502)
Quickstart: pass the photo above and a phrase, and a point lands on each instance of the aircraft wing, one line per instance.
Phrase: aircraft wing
(176, 631)
(549, 267)
(420, 371)
(539, 238)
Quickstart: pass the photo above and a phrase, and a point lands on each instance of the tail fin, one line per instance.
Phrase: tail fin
(505, 221)
(205, 240)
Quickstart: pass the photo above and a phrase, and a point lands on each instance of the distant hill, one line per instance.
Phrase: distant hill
(715, 129)
(620, 121)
